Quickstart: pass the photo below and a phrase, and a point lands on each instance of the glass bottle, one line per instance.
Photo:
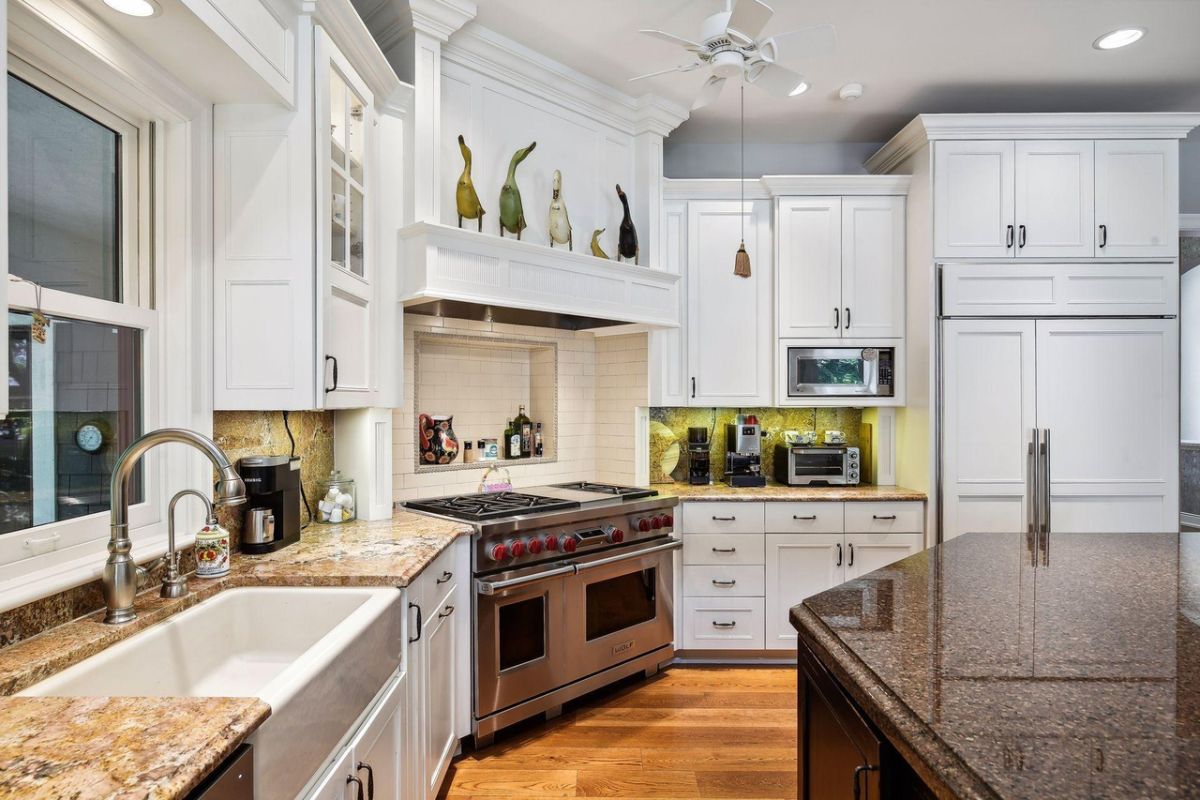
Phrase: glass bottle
(537, 441)
(512, 441)
(524, 428)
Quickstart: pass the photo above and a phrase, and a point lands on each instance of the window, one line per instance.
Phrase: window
(80, 323)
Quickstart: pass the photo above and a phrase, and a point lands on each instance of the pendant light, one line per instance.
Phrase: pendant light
(741, 261)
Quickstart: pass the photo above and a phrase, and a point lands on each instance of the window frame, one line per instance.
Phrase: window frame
(31, 552)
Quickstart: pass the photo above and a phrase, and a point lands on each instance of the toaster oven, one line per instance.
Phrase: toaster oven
(817, 466)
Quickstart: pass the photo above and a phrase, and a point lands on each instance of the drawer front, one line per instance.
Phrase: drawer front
(721, 548)
(723, 623)
(900, 517)
(723, 517)
(722, 581)
(805, 517)
(440, 578)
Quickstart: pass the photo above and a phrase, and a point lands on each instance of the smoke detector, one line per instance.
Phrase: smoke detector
(851, 91)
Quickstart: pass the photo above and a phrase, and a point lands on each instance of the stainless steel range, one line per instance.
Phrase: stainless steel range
(573, 590)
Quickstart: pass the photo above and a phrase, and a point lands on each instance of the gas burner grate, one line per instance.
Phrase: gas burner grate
(625, 492)
(479, 507)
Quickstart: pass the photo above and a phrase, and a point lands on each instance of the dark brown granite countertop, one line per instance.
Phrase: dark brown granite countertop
(995, 678)
(778, 492)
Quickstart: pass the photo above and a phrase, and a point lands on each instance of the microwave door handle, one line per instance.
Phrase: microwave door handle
(870, 376)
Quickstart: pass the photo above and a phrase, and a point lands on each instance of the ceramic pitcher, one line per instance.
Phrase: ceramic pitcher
(438, 444)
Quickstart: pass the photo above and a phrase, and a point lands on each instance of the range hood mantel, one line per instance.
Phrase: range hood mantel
(453, 272)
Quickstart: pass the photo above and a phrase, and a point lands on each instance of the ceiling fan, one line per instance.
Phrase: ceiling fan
(730, 47)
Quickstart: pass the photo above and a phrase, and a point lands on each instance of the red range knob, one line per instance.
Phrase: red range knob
(499, 552)
(643, 525)
(534, 546)
(517, 548)
(656, 522)
(668, 520)
(616, 536)
(551, 543)
(568, 544)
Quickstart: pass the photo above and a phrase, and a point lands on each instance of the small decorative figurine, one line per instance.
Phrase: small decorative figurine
(512, 214)
(597, 250)
(560, 224)
(465, 197)
(627, 243)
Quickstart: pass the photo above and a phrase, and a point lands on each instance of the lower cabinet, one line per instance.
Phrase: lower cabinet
(441, 655)
(369, 766)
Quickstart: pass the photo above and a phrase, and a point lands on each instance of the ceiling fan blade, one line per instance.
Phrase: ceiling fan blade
(816, 40)
(680, 68)
(673, 39)
(749, 17)
(777, 80)
(709, 92)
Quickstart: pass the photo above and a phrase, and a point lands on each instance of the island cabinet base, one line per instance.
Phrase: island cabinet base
(841, 754)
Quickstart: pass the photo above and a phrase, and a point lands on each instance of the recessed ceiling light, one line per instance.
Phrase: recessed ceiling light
(801, 88)
(851, 91)
(1119, 38)
(135, 8)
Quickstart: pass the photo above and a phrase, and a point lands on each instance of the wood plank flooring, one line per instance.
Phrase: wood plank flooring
(689, 732)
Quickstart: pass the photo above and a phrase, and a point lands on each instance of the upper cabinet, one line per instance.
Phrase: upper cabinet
(1055, 198)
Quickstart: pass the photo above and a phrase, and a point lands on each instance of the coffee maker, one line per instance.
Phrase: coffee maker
(272, 503)
(743, 454)
(698, 467)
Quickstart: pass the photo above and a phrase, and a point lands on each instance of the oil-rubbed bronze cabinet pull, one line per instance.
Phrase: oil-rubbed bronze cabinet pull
(859, 772)
(445, 577)
(723, 624)
(352, 779)
(723, 583)
(1103, 235)
(370, 778)
(449, 610)
(850, 563)
(839, 561)
(724, 549)
(810, 516)
(887, 516)
(1008, 237)
(723, 519)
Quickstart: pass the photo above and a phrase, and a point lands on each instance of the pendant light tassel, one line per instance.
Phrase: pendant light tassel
(741, 261)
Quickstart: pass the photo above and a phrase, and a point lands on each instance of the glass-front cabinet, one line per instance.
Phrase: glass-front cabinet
(346, 149)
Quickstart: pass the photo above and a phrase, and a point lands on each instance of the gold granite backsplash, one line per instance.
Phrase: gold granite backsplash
(261, 433)
(669, 427)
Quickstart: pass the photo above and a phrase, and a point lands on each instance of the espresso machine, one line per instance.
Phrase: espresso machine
(272, 503)
(699, 470)
(743, 454)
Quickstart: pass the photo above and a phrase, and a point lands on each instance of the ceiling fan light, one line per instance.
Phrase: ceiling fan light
(1121, 37)
(801, 88)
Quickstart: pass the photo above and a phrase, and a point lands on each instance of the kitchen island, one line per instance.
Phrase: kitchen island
(980, 669)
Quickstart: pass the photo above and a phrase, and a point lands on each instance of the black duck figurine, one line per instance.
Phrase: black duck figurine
(627, 243)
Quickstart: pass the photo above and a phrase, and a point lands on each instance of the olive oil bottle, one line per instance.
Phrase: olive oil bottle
(512, 441)
(524, 427)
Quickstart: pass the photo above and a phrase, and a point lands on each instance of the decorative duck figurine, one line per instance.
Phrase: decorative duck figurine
(627, 243)
(512, 214)
(560, 224)
(465, 197)
(597, 250)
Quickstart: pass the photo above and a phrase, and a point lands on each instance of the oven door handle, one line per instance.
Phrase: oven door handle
(673, 544)
(491, 587)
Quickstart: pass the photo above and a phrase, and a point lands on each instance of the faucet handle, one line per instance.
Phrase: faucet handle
(143, 573)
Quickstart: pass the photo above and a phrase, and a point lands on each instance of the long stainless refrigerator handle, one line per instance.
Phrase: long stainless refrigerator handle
(1032, 489)
(1045, 542)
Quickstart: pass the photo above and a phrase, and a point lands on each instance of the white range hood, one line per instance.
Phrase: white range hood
(453, 272)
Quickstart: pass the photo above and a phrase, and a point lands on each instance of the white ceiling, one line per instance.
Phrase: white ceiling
(913, 56)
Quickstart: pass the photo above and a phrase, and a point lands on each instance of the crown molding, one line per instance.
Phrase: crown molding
(400, 102)
(794, 185)
(927, 128)
(714, 189)
(392, 20)
(481, 49)
(1189, 224)
(350, 33)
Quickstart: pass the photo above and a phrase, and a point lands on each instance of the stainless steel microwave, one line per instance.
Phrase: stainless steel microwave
(840, 371)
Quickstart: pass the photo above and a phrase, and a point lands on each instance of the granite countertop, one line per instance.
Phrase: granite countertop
(775, 491)
(108, 747)
(995, 678)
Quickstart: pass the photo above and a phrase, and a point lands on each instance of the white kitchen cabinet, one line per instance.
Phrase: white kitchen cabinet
(729, 340)
(670, 381)
(867, 552)
(1137, 198)
(841, 267)
(1055, 201)
(798, 565)
(973, 189)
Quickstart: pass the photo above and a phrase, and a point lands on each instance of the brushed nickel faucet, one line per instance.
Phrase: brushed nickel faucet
(122, 575)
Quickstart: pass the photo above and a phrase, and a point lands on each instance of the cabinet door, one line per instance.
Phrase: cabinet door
(810, 267)
(729, 335)
(973, 184)
(988, 416)
(1137, 198)
(669, 378)
(1055, 196)
(798, 565)
(336, 783)
(441, 659)
(839, 753)
(867, 552)
(345, 138)
(873, 267)
(1108, 393)
(378, 752)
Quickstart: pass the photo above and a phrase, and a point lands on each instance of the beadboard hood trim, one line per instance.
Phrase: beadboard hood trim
(453, 272)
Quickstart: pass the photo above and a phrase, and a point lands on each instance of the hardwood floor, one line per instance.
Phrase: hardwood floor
(689, 732)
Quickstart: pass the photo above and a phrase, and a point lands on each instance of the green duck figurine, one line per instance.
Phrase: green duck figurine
(512, 214)
(597, 250)
(465, 197)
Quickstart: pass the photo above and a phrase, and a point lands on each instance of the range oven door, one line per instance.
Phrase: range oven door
(620, 605)
(840, 371)
(520, 649)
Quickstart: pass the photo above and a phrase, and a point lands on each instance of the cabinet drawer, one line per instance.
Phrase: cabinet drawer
(1016, 290)
(721, 581)
(725, 623)
(720, 548)
(805, 518)
(440, 578)
(900, 517)
(723, 517)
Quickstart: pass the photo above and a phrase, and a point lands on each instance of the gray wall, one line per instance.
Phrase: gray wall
(1189, 174)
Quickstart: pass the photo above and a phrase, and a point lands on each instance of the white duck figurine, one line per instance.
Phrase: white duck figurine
(560, 223)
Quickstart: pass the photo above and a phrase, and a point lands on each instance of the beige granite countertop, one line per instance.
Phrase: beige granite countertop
(99, 747)
(775, 491)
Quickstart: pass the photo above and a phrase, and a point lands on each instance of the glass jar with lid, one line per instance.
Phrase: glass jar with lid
(338, 501)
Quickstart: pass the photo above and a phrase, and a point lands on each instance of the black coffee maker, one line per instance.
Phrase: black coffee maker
(272, 503)
(699, 469)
